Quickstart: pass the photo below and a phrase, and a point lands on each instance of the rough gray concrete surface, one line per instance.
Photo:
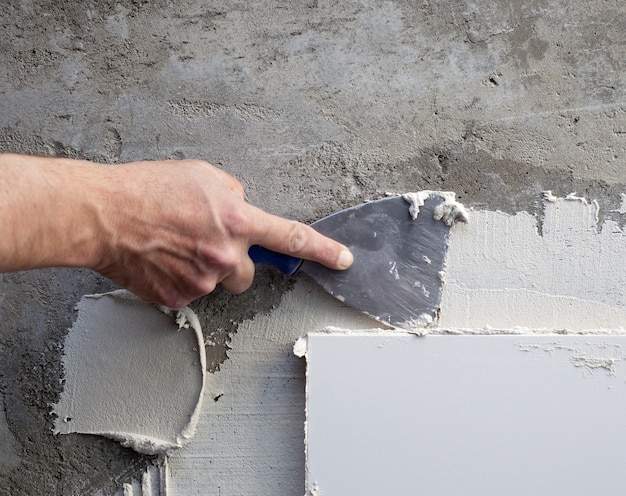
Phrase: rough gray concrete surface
(315, 106)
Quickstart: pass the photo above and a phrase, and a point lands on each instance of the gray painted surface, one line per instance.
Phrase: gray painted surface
(315, 106)
(489, 415)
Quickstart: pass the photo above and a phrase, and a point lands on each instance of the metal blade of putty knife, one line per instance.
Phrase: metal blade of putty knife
(396, 277)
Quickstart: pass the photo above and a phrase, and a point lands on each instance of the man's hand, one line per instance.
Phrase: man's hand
(168, 231)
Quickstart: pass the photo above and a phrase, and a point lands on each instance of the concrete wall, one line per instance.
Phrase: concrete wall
(315, 106)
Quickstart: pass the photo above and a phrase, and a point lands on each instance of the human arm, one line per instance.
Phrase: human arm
(169, 231)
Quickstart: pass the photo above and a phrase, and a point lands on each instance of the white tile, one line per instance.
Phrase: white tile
(465, 415)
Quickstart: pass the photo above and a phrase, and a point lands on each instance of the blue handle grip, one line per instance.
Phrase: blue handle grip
(287, 264)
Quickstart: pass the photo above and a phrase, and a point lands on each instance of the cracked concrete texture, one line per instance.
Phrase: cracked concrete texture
(315, 106)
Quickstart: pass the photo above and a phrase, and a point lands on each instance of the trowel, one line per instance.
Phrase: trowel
(398, 260)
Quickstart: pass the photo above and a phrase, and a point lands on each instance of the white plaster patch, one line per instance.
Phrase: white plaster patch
(449, 211)
(591, 356)
(500, 273)
(153, 482)
(132, 373)
(622, 208)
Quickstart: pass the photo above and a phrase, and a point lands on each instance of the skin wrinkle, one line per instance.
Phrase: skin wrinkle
(297, 238)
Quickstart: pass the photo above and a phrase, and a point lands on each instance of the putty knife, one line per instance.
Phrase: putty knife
(398, 260)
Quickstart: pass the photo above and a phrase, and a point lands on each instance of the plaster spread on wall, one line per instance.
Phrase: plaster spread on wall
(132, 373)
(622, 208)
(421, 325)
(501, 273)
(300, 346)
(449, 212)
(153, 482)
(591, 357)
(252, 437)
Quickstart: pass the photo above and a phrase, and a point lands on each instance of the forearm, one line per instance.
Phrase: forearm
(48, 213)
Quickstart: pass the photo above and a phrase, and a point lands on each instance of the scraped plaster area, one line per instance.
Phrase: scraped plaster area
(563, 270)
(133, 373)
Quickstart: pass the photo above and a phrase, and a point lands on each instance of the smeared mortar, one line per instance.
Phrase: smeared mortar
(590, 357)
(506, 272)
(398, 256)
(449, 212)
(134, 373)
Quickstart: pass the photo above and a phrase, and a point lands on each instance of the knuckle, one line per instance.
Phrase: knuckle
(237, 188)
(239, 282)
(230, 181)
(192, 290)
(239, 223)
(297, 237)
(217, 264)
(172, 300)
(226, 260)
(205, 285)
(239, 287)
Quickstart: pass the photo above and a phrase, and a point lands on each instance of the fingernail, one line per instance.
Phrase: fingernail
(345, 259)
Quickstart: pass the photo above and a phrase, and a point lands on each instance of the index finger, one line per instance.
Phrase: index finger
(298, 240)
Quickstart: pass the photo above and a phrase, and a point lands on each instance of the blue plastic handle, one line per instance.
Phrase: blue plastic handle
(287, 264)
